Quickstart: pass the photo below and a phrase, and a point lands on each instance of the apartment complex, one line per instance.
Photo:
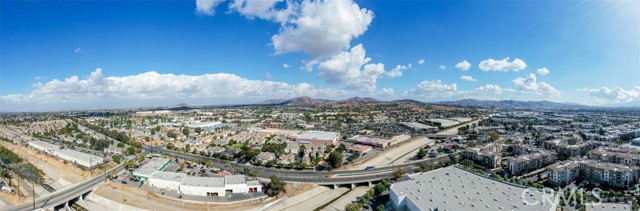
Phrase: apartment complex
(488, 156)
(626, 156)
(529, 162)
(599, 173)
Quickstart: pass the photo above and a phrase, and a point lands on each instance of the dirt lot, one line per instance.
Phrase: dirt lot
(147, 200)
(13, 198)
(69, 172)
(394, 153)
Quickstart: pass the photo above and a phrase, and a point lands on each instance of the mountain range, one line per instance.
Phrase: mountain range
(500, 104)
(513, 104)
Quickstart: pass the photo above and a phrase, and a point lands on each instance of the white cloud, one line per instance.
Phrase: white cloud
(467, 78)
(502, 65)
(268, 75)
(488, 89)
(433, 89)
(387, 91)
(152, 88)
(285, 65)
(421, 61)
(397, 71)
(77, 50)
(543, 71)
(442, 67)
(322, 28)
(606, 95)
(352, 69)
(264, 9)
(207, 7)
(463, 65)
(530, 84)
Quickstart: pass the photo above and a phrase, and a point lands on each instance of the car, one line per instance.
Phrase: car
(124, 182)
(369, 167)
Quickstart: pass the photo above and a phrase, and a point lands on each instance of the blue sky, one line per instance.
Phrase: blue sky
(143, 53)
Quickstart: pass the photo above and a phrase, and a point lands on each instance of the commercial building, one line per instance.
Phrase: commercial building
(166, 180)
(146, 170)
(362, 149)
(315, 137)
(419, 127)
(82, 159)
(372, 141)
(218, 186)
(203, 186)
(454, 188)
(529, 162)
(488, 156)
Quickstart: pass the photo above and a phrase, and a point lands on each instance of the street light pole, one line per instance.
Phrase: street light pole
(33, 194)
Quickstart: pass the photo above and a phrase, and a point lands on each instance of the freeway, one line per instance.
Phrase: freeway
(337, 177)
(310, 176)
(62, 196)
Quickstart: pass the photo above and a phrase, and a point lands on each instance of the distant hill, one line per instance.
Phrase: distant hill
(513, 104)
(272, 101)
(360, 100)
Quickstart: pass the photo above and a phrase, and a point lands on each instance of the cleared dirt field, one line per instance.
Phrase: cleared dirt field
(144, 199)
(54, 168)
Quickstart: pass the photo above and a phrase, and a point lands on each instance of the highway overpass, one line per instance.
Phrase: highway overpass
(351, 178)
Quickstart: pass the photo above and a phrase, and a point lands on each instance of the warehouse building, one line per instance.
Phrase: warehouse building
(315, 138)
(203, 186)
(166, 180)
(454, 188)
(146, 170)
(82, 159)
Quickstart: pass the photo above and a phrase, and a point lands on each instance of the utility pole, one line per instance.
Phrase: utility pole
(33, 194)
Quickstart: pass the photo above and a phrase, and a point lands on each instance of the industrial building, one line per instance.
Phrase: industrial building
(166, 180)
(418, 127)
(146, 170)
(372, 141)
(455, 188)
(315, 138)
(203, 186)
(82, 159)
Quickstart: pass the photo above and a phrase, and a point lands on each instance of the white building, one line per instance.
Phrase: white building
(146, 170)
(166, 180)
(79, 158)
(454, 188)
(203, 186)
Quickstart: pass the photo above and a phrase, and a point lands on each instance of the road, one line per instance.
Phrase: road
(309, 176)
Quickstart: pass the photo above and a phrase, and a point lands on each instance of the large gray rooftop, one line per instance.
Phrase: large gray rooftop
(204, 181)
(453, 188)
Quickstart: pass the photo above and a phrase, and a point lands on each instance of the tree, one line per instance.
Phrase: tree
(131, 151)
(198, 130)
(123, 137)
(421, 153)
(116, 158)
(378, 189)
(185, 131)
(181, 167)
(120, 145)
(351, 207)
(380, 207)
(335, 159)
(171, 134)
(494, 136)
(397, 174)
(276, 186)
